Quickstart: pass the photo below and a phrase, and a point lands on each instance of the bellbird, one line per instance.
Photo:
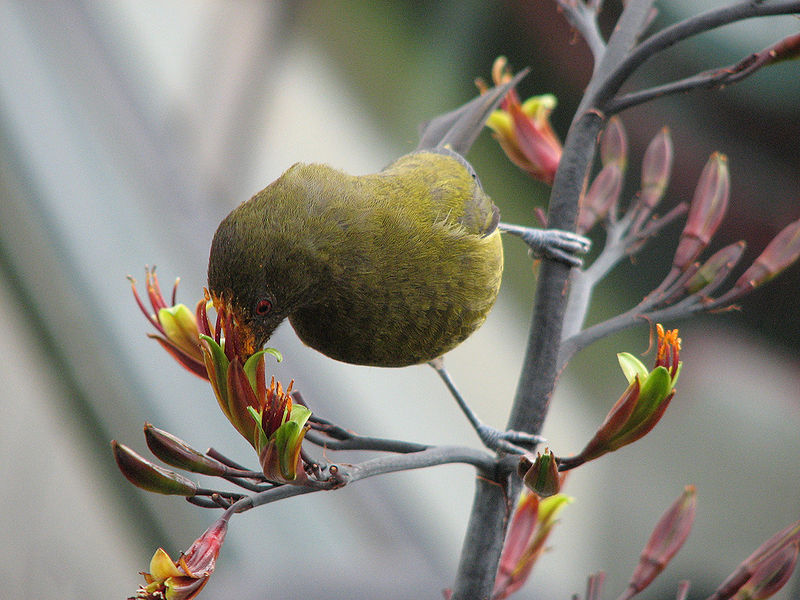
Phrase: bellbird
(390, 269)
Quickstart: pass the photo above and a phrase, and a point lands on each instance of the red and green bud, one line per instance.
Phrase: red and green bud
(183, 579)
(541, 474)
(656, 171)
(714, 271)
(667, 538)
(530, 526)
(781, 252)
(770, 576)
(656, 168)
(177, 453)
(524, 130)
(642, 404)
(150, 477)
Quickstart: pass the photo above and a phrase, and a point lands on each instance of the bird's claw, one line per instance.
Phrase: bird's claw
(563, 246)
(510, 441)
(555, 244)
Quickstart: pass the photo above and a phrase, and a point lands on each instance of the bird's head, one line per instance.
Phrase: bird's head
(250, 276)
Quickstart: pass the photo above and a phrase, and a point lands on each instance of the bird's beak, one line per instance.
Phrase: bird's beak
(236, 330)
(248, 339)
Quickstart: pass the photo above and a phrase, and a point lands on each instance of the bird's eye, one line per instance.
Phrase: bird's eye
(263, 307)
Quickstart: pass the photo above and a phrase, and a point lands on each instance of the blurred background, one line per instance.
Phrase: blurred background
(130, 128)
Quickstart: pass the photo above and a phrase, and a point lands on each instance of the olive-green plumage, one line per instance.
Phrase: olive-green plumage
(390, 269)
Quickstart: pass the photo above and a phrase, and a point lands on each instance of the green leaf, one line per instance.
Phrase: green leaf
(220, 362)
(677, 373)
(285, 438)
(300, 414)
(251, 366)
(274, 352)
(549, 508)
(262, 436)
(654, 390)
(632, 366)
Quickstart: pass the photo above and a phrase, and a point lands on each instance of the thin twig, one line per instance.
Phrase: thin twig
(583, 18)
(711, 79)
(692, 26)
(359, 442)
(487, 464)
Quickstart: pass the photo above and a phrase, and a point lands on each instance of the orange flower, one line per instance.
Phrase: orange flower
(265, 416)
(642, 404)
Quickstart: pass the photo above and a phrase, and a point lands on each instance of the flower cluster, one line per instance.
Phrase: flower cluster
(641, 405)
(264, 415)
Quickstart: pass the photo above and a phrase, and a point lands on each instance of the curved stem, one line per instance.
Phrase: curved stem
(673, 34)
(488, 465)
(714, 78)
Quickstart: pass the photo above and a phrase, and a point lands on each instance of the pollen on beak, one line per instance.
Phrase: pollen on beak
(240, 335)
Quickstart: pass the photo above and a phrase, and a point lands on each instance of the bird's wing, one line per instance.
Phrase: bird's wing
(459, 128)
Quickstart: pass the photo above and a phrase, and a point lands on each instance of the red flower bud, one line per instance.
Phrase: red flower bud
(706, 211)
(601, 199)
(781, 252)
(667, 538)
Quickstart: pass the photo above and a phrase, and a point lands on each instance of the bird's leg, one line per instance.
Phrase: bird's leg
(513, 442)
(551, 243)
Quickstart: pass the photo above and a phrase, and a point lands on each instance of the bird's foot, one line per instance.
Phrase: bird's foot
(510, 441)
(555, 244)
